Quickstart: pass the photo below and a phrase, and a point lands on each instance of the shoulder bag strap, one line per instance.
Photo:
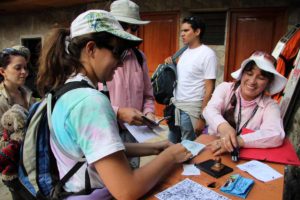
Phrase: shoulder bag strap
(178, 53)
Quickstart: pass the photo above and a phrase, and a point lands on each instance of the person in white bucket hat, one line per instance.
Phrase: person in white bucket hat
(131, 79)
(127, 11)
(243, 113)
(83, 120)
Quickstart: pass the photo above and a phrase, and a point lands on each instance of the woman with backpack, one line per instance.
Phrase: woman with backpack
(83, 120)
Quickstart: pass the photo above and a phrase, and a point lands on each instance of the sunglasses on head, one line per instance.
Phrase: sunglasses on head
(9, 51)
(192, 18)
(132, 27)
(266, 56)
(12, 51)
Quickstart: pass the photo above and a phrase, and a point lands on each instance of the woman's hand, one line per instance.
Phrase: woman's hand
(130, 115)
(178, 153)
(217, 147)
(146, 149)
(160, 146)
(228, 136)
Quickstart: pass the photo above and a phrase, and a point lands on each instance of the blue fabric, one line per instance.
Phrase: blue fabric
(43, 168)
(238, 186)
(184, 132)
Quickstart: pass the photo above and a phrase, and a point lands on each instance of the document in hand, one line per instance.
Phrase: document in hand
(193, 147)
(141, 133)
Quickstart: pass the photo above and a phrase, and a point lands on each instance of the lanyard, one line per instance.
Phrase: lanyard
(238, 132)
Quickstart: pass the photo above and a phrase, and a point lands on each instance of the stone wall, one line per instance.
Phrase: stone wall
(16, 26)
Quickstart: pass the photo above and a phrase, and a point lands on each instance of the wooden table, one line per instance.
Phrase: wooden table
(272, 190)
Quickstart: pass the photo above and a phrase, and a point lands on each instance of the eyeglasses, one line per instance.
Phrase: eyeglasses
(119, 53)
(266, 56)
(132, 27)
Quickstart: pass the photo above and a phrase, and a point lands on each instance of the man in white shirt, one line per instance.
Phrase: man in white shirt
(196, 70)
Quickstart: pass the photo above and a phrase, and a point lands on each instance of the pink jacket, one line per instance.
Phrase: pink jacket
(266, 123)
(131, 86)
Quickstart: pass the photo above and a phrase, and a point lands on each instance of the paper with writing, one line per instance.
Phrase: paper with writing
(189, 190)
(260, 170)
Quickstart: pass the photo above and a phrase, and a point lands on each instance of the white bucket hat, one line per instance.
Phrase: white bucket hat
(93, 21)
(127, 11)
(263, 61)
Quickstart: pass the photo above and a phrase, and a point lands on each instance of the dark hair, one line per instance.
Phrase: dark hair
(249, 66)
(56, 65)
(5, 58)
(196, 23)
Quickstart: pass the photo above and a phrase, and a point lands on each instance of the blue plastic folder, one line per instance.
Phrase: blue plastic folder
(238, 186)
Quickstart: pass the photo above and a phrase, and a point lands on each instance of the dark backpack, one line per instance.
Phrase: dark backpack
(164, 79)
(38, 171)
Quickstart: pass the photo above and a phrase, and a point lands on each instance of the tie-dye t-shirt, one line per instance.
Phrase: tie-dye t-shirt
(84, 124)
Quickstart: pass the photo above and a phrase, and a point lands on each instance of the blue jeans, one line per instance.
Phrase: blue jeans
(183, 132)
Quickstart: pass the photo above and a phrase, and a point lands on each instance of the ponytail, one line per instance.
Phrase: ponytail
(58, 62)
(55, 64)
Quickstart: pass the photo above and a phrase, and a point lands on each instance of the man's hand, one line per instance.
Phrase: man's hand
(200, 125)
(168, 60)
(131, 116)
(151, 116)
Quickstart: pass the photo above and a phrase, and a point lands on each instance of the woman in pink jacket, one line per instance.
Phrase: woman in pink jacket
(242, 113)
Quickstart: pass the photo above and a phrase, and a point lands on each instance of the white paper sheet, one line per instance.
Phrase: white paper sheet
(190, 169)
(260, 170)
(141, 133)
(189, 190)
(193, 147)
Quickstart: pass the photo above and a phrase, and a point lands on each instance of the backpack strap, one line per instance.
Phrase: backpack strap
(51, 100)
(177, 54)
(70, 86)
(139, 56)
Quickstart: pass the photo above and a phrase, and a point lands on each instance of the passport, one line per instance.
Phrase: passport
(238, 186)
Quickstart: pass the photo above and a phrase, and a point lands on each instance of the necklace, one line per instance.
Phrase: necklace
(238, 131)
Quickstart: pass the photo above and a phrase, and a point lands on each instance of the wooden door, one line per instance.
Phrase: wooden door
(160, 41)
(250, 30)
